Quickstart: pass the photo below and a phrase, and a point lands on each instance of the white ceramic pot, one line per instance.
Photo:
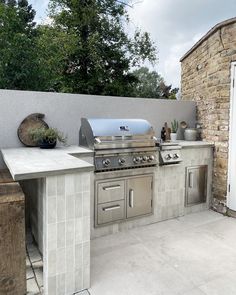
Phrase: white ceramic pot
(173, 136)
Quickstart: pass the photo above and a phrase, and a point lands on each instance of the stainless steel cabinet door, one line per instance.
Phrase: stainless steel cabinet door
(196, 185)
(139, 196)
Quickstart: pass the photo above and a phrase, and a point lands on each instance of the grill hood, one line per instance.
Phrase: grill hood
(99, 133)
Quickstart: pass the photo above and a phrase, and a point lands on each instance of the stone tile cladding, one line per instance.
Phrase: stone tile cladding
(66, 234)
(205, 78)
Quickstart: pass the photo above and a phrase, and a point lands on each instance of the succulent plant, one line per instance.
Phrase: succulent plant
(174, 126)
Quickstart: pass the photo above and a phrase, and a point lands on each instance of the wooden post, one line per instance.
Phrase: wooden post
(12, 240)
(5, 176)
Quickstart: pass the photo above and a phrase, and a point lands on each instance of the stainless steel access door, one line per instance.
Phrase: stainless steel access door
(196, 185)
(139, 196)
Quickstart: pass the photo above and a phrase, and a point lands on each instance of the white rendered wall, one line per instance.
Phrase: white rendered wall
(64, 111)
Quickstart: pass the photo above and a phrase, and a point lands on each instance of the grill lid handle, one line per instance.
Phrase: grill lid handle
(97, 140)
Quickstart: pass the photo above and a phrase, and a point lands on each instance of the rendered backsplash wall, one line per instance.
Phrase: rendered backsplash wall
(64, 112)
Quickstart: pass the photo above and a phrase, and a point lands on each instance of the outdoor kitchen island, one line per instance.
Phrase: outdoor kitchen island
(61, 193)
(57, 186)
(179, 189)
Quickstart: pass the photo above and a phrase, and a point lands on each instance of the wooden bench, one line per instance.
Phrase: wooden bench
(12, 237)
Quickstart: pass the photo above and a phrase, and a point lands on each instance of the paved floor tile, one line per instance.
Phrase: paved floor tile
(190, 255)
(38, 270)
(221, 285)
(195, 291)
(32, 287)
(34, 254)
(34, 268)
(29, 272)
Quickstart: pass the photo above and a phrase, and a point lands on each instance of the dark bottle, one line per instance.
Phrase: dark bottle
(163, 134)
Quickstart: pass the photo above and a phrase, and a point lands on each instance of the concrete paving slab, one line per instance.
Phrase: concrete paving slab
(191, 255)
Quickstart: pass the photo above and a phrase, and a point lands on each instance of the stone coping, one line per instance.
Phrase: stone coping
(208, 34)
(195, 144)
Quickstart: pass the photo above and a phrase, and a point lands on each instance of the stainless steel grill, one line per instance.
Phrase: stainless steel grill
(119, 143)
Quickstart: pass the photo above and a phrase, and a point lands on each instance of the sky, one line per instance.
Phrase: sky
(175, 26)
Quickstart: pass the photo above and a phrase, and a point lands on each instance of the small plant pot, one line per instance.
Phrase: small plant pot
(173, 136)
(44, 144)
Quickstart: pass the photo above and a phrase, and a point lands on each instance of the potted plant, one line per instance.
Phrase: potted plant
(47, 137)
(174, 129)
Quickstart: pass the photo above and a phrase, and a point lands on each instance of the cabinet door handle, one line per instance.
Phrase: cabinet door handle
(190, 180)
(131, 198)
(108, 188)
(111, 208)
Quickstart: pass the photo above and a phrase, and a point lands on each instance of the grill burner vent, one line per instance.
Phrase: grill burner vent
(170, 153)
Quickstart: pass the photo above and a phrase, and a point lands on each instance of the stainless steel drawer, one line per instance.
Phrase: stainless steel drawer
(110, 191)
(110, 212)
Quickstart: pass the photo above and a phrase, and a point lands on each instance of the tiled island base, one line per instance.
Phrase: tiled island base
(34, 269)
(169, 190)
(60, 220)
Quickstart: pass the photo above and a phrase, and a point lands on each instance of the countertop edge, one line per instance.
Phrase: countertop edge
(36, 175)
(210, 145)
(83, 154)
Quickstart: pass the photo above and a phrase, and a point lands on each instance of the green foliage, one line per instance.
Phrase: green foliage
(18, 59)
(167, 91)
(85, 49)
(100, 62)
(148, 85)
(53, 47)
(151, 85)
(49, 135)
(174, 126)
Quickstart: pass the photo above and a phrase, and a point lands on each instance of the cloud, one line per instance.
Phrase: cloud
(41, 9)
(175, 25)
(171, 64)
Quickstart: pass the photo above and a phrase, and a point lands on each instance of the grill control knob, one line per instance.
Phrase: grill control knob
(122, 161)
(137, 160)
(176, 156)
(106, 162)
(151, 158)
(145, 158)
(168, 157)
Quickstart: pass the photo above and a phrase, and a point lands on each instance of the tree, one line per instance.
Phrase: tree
(167, 91)
(18, 59)
(148, 83)
(53, 48)
(151, 85)
(104, 54)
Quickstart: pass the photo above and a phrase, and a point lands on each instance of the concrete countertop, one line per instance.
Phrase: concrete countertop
(29, 163)
(190, 144)
(195, 144)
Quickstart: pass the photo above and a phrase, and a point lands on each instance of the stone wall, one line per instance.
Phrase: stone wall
(206, 79)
